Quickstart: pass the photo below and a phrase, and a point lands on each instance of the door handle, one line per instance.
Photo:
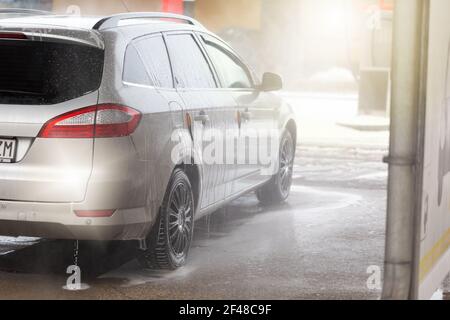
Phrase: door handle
(202, 117)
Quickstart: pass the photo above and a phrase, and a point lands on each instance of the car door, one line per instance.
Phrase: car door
(209, 111)
(255, 113)
(148, 85)
(154, 54)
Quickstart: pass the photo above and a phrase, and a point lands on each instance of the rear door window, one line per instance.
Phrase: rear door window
(190, 67)
(154, 54)
(37, 72)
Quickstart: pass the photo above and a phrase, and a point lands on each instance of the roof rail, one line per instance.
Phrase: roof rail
(30, 12)
(113, 21)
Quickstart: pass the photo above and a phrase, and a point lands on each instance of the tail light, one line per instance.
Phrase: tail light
(100, 121)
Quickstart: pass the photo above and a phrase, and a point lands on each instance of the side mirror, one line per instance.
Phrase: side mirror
(271, 82)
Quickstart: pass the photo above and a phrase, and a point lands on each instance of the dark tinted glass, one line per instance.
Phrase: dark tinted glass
(46, 73)
(134, 69)
(154, 54)
(191, 69)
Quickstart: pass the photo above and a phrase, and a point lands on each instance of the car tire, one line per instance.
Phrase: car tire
(169, 241)
(277, 190)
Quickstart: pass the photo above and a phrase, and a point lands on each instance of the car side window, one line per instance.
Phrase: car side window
(155, 57)
(134, 69)
(230, 69)
(190, 67)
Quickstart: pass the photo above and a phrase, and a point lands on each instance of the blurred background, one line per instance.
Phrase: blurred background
(334, 57)
(316, 45)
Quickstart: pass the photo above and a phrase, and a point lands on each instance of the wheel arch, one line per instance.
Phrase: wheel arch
(291, 126)
(193, 173)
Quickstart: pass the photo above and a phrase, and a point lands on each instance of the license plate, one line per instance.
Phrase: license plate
(7, 150)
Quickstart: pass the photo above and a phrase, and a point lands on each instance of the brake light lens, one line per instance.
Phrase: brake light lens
(13, 35)
(100, 121)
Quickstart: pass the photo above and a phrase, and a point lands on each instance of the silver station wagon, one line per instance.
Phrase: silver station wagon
(93, 112)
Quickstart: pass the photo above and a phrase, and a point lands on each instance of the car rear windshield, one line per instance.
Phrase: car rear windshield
(36, 72)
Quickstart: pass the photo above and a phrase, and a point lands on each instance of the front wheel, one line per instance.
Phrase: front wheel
(277, 190)
(170, 240)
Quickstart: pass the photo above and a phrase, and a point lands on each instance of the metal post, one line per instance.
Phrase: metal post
(189, 8)
(403, 157)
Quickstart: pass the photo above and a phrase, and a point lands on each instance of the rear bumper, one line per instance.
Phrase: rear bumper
(58, 221)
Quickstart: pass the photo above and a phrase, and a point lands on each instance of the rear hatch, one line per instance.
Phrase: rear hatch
(42, 78)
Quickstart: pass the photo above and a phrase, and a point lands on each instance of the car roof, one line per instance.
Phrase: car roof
(91, 22)
(89, 28)
(68, 21)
